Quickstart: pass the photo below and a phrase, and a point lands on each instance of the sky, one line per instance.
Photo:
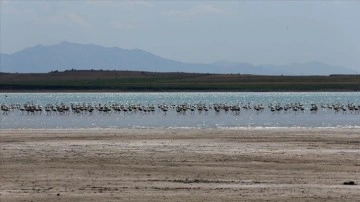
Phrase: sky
(257, 32)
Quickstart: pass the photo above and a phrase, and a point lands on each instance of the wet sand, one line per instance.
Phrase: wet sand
(180, 165)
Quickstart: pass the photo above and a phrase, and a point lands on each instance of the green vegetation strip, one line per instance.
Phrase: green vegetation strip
(148, 81)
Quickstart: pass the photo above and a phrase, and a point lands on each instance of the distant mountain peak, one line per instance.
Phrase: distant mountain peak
(64, 43)
(68, 55)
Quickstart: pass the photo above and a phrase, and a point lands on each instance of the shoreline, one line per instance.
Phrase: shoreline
(238, 128)
(179, 165)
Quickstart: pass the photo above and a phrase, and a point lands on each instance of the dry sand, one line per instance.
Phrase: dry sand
(180, 165)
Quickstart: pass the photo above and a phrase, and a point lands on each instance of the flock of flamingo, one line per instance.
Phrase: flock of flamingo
(84, 108)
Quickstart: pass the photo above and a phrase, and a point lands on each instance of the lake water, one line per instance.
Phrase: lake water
(247, 118)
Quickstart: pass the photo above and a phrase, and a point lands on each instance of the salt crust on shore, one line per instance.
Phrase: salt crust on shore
(180, 165)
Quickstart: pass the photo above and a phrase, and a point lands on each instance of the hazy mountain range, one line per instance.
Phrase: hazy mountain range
(66, 55)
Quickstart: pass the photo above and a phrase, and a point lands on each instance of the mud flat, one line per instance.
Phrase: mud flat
(180, 165)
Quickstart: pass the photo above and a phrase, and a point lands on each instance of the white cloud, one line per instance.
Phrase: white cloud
(76, 19)
(67, 18)
(8, 9)
(45, 17)
(204, 9)
(121, 25)
(138, 4)
(27, 15)
(122, 4)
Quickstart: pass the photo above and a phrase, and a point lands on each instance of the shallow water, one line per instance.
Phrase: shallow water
(247, 118)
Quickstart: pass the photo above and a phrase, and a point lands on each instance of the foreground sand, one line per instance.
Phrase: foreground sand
(179, 165)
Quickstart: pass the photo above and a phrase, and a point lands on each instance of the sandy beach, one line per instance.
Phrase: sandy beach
(180, 165)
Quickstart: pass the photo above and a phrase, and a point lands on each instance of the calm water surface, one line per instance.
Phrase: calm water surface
(247, 118)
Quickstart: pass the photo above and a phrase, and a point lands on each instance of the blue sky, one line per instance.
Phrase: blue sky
(257, 32)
